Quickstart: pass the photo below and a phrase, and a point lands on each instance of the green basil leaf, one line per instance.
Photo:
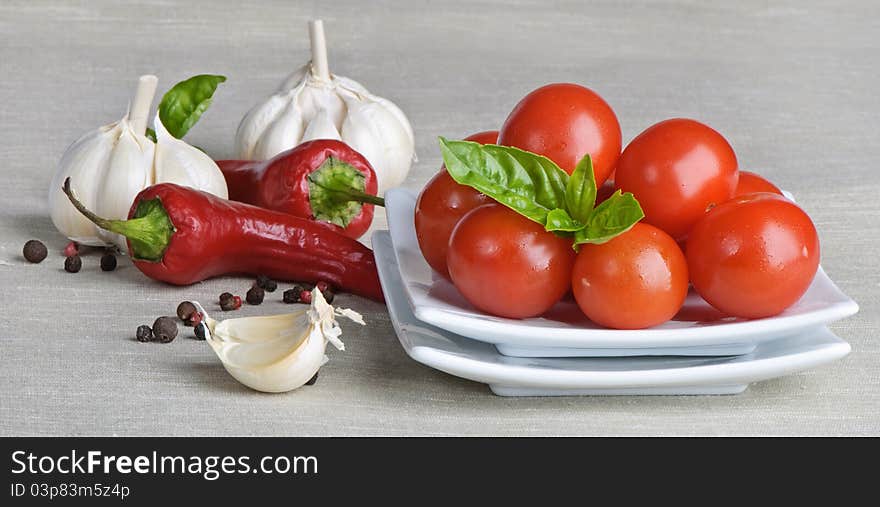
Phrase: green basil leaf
(559, 220)
(616, 215)
(580, 193)
(530, 184)
(185, 102)
(151, 134)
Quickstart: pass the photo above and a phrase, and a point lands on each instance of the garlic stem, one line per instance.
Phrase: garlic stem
(319, 50)
(139, 110)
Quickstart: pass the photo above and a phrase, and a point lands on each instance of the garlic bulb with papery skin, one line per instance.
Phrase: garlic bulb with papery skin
(113, 163)
(313, 104)
(277, 353)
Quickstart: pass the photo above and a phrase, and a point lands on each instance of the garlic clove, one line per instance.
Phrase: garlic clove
(321, 127)
(281, 134)
(129, 171)
(183, 164)
(277, 353)
(85, 161)
(254, 124)
(375, 131)
(319, 97)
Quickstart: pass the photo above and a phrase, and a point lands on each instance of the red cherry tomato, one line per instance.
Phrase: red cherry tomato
(440, 206)
(507, 265)
(749, 183)
(564, 122)
(753, 256)
(677, 169)
(637, 280)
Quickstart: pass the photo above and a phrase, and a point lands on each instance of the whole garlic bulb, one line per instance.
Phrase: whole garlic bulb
(313, 104)
(113, 163)
(277, 353)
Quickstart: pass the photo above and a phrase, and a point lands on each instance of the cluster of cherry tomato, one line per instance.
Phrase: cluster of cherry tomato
(745, 248)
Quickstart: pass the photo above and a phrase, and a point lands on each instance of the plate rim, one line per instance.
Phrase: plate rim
(513, 375)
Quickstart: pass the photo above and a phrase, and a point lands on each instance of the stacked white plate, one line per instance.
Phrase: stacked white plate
(563, 353)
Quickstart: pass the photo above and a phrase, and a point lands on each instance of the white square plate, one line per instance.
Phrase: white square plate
(513, 376)
(564, 331)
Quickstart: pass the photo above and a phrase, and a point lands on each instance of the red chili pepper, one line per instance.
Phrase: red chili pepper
(180, 235)
(324, 180)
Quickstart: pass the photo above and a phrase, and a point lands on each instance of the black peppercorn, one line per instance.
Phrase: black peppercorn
(291, 296)
(329, 295)
(185, 310)
(73, 264)
(165, 329)
(266, 283)
(227, 302)
(312, 380)
(144, 333)
(255, 295)
(34, 251)
(108, 262)
(200, 331)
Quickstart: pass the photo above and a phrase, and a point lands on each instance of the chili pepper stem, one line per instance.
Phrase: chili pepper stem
(341, 193)
(149, 231)
(336, 192)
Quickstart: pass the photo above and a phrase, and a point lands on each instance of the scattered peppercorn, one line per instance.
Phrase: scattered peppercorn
(200, 331)
(34, 251)
(305, 297)
(227, 302)
(312, 380)
(73, 264)
(144, 333)
(165, 329)
(266, 283)
(255, 295)
(291, 296)
(72, 248)
(108, 262)
(185, 311)
(323, 286)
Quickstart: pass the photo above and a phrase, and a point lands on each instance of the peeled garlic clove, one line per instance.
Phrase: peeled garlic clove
(277, 353)
(180, 163)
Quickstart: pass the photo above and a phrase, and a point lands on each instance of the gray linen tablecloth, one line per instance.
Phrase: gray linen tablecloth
(793, 86)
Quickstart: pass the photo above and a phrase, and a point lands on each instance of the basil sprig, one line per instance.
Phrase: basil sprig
(185, 102)
(535, 187)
